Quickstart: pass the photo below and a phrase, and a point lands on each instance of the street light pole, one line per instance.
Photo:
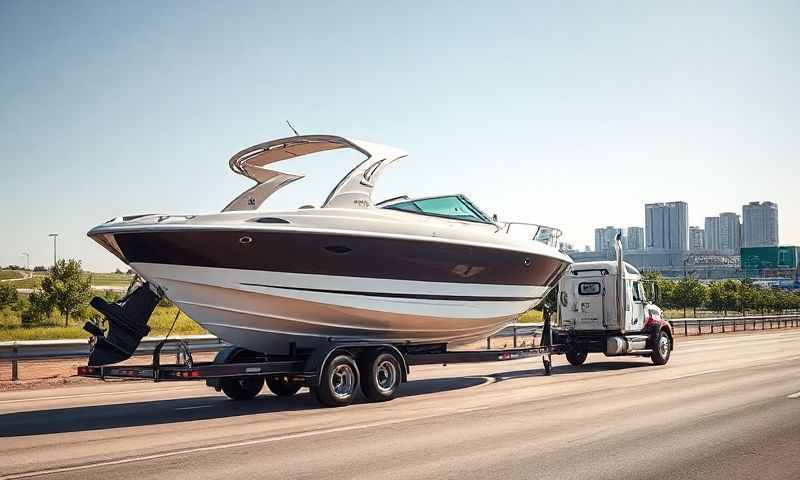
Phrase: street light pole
(55, 256)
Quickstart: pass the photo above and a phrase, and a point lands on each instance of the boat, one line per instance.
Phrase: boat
(432, 270)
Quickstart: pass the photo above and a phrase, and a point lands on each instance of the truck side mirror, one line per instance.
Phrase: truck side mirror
(656, 294)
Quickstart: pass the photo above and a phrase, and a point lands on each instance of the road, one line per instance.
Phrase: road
(726, 407)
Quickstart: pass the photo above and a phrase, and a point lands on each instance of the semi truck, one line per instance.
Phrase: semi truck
(603, 307)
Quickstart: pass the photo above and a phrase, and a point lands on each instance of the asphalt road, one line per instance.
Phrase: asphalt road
(722, 409)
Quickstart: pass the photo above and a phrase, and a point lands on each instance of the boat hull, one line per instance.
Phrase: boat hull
(263, 290)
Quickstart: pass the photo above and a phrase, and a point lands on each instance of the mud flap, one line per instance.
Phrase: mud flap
(127, 325)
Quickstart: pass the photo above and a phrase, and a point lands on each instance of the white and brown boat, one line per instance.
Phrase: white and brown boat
(421, 271)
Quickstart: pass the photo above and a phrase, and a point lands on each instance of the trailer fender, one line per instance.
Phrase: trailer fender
(225, 356)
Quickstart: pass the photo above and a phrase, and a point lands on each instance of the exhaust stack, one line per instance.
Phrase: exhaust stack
(621, 297)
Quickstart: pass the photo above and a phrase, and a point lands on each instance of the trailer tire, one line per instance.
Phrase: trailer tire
(381, 375)
(338, 383)
(661, 348)
(576, 358)
(242, 388)
(282, 388)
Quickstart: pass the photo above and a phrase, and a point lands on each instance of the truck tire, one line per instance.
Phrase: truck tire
(661, 349)
(282, 388)
(577, 357)
(381, 376)
(242, 388)
(338, 383)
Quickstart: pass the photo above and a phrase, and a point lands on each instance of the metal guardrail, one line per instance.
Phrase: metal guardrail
(26, 350)
(695, 326)
(18, 351)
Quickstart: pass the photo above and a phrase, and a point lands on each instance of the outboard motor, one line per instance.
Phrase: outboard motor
(127, 325)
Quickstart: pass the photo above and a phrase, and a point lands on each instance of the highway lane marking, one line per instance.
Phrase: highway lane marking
(98, 394)
(696, 374)
(794, 395)
(194, 407)
(246, 443)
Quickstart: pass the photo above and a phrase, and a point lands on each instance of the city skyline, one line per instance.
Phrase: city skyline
(723, 233)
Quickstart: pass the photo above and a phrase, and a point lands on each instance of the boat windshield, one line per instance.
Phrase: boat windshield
(450, 206)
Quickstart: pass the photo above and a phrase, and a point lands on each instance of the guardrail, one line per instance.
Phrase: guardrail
(695, 326)
(19, 351)
(26, 350)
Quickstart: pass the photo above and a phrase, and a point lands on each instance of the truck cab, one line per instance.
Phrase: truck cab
(603, 307)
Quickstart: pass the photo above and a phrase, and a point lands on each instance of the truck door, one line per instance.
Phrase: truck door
(590, 304)
(636, 300)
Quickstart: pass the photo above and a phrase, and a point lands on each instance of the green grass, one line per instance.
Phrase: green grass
(534, 316)
(10, 274)
(113, 279)
(11, 327)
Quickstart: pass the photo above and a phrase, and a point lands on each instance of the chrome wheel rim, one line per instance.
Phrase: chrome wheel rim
(343, 381)
(663, 346)
(386, 376)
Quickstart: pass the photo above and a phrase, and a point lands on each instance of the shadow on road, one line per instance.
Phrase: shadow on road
(568, 369)
(100, 417)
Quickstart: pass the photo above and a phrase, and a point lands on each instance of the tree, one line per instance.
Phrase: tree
(8, 295)
(39, 268)
(689, 293)
(65, 289)
(730, 295)
(716, 297)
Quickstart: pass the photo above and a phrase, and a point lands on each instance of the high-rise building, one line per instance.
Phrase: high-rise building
(730, 233)
(711, 233)
(604, 239)
(696, 239)
(759, 224)
(635, 238)
(667, 226)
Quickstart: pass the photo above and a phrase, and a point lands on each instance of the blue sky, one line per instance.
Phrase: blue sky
(569, 114)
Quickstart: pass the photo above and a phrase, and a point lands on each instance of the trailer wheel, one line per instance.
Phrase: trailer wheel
(282, 388)
(242, 388)
(382, 375)
(577, 357)
(338, 382)
(663, 347)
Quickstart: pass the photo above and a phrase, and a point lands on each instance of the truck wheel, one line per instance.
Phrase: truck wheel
(663, 347)
(242, 388)
(338, 383)
(381, 376)
(577, 357)
(282, 388)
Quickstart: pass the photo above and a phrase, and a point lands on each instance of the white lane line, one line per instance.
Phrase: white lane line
(794, 395)
(696, 374)
(98, 394)
(225, 446)
(194, 407)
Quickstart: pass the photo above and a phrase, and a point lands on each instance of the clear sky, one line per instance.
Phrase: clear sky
(562, 113)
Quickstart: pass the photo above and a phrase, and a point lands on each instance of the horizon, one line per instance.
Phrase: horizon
(563, 116)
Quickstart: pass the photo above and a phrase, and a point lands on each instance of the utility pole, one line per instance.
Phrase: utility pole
(55, 256)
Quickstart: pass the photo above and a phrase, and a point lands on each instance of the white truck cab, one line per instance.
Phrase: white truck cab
(603, 307)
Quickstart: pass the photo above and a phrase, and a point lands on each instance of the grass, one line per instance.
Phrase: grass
(534, 316)
(11, 326)
(103, 279)
(10, 274)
